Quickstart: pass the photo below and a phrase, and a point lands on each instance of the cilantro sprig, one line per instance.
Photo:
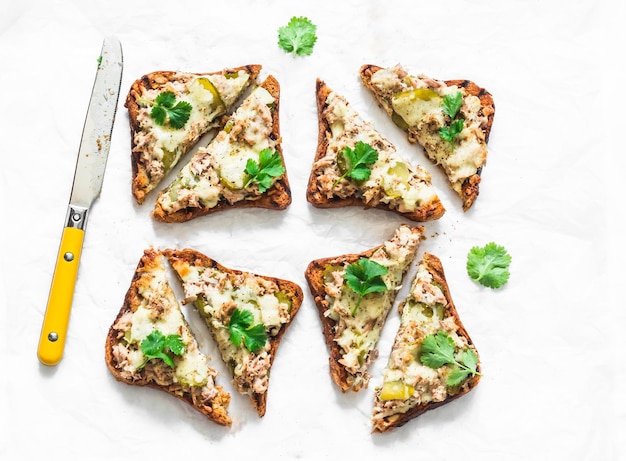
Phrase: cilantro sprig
(357, 162)
(156, 346)
(363, 277)
(241, 329)
(165, 108)
(298, 36)
(489, 265)
(269, 166)
(450, 105)
(438, 350)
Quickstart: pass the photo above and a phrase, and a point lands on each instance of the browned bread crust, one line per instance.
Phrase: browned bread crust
(314, 275)
(435, 268)
(155, 80)
(291, 289)
(471, 185)
(427, 212)
(277, 197)
(215, 409)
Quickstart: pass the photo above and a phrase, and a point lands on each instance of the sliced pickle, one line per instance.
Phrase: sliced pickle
(397, 175)
(208, 85)
(169, 158)
(328, 272)
(284, 299)
(413, 105)
(396, 390)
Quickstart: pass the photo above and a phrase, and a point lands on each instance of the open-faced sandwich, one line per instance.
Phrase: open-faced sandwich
(450, 119)
(353, 294)
(433, 359)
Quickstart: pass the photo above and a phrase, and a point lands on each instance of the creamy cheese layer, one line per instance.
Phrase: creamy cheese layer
(393, 179)
(216, 294)
(210, 96)
(217, 172)
(159, 310)
(357, 334)
(416, 103)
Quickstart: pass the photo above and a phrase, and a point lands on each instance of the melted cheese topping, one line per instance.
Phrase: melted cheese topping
(217, 172)
(357, 334)
(159, 310)
(216, 294)
(423, 117)
(210, 97)
(393, 179)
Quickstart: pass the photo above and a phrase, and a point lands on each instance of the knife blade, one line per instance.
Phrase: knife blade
(88, 177)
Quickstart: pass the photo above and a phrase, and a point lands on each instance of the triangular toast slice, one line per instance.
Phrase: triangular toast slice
(393, 184)
(430, 323)
(158, 141)
(452, 137)
(352, 323)
(224, 297)
(219, 176)
(150, 314)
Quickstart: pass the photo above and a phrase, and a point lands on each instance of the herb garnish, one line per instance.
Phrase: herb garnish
(358, 161)
(298, 36)
(363, 277)
(489, 265)
(165, 107)
(156, 345)
(438, 350)
(241, 328)
(451, 105)
(269, 166)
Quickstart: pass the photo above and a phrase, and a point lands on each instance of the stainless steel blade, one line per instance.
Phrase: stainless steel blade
(96, 138)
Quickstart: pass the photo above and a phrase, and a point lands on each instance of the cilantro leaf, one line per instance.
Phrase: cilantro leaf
(438, 350)
(269, 166)
(357, 161)
(241, 329)
(298, 36)
(165, 108)
(363, 277)
(156, 345)
(452, 103)
(489, 265)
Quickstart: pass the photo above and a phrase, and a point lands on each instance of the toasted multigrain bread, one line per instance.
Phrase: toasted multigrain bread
(151, 295)
(148, 167)
(428, 299)
(200, 276)
(323, 190)
(172, 206)
(336, 303)
(466, 187)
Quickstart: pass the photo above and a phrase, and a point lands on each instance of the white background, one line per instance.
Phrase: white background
(551, 341)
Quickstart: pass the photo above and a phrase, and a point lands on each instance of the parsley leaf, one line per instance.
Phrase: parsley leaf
(357, 161)
(450, 105)
(363, 277)
(298, 36)
(241, 328)
(156, 345)
(438, 350)
(489, 265)
(165, 108)
(270, 166)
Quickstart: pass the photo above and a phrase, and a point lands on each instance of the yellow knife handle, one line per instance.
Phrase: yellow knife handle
(57, 316)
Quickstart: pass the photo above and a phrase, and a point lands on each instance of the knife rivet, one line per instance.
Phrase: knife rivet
(53, 336)
(76, 217)
(69, 256)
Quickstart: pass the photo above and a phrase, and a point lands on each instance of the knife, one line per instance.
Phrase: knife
(88, 177)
